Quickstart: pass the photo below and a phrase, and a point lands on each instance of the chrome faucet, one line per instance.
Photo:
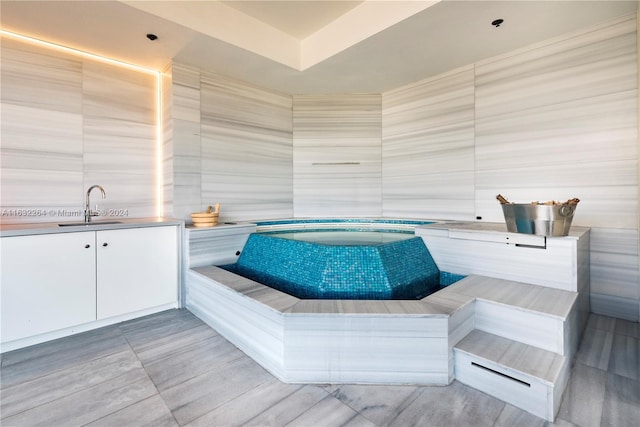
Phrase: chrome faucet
(88, 213)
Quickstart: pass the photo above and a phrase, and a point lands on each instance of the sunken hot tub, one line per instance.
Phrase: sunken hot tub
(341, 264)
(344, 301)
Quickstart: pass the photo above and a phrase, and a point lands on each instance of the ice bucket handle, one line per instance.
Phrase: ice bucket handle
(567, 210)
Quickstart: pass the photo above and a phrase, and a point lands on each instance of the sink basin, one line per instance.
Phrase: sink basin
(77, 224)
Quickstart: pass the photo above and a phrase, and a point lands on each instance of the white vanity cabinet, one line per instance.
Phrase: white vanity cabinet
(137, 268)
(58, 284)
(47, 283)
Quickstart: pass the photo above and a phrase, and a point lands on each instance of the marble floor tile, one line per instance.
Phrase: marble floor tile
(359, 421)
(512, 416)
(290, 408)
(380, 404)
(628, 328)
(621, 402)
(453, 405)
(174, 344)
(625, 357)
(153, 329)
(329, 412)
(212, 354)
(99, 378)
(583, 399)
(604, 323)
(88, 404)
(595, 349)
(559, 422)
(64, 347)
(157, 320)
(204, 393)
(151, 412)
(248, 405)
(43, 359)
(39, 391)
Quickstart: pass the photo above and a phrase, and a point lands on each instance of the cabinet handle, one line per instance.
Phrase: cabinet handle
(87, 246)
(105, 245)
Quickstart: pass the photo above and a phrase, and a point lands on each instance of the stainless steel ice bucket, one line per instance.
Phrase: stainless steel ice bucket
(542, 220)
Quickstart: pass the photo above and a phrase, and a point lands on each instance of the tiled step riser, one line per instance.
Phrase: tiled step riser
(535, 329)
(461, 323)
(520, 390)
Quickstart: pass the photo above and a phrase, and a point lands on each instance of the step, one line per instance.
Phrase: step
(528, 377)
(534, 315)
(528, 327)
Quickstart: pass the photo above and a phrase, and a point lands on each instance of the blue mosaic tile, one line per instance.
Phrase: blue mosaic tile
(398, 270)
(447, 279)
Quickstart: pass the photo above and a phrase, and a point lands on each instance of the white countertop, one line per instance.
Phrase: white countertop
(27, 229)
(492, 227)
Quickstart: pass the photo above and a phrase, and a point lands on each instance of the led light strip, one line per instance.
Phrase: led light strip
(77, 52)
(158, 74)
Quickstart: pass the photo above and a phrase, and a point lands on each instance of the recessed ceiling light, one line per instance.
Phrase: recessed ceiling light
(152, 37)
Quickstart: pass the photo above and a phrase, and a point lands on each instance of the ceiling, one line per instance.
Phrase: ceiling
(306, 47)
(296, 18)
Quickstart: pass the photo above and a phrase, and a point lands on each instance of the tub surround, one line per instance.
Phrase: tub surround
(391, 342)
(316, 341)
(488, 249)
(421, 341)
(217, 245)
(552, 303)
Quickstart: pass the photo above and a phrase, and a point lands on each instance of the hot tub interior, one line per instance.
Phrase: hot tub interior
(342, 264)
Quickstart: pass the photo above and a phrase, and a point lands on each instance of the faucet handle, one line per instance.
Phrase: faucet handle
(94, 212)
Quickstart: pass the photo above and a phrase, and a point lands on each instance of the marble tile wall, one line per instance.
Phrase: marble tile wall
(428, 148)
(168, 161)
(555, 120)
(614, 272)
(337, 163)
(560, 120)
(120, 145)
(70, 122)
(232, 144)
(186, 167)
(42, 148)
(246, 149)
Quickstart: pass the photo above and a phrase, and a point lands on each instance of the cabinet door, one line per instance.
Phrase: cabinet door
(47, 282)
(137, 269)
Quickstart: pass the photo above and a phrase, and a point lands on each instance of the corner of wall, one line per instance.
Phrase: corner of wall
(638, 134)
(185, 181)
